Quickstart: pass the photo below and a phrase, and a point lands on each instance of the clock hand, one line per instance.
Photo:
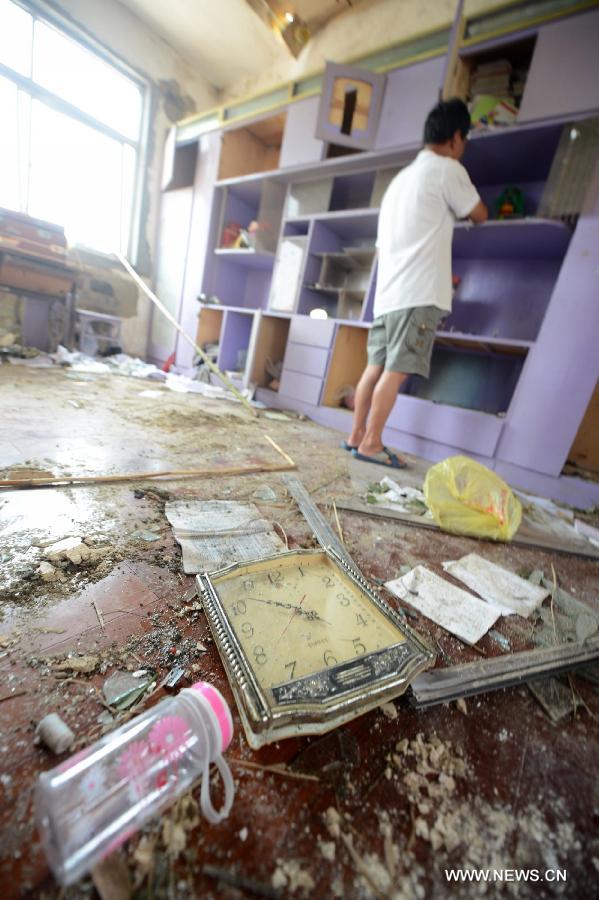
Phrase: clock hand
(309, 614)
(293, 615)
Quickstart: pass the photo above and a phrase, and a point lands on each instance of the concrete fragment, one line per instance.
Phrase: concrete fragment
(48, 572)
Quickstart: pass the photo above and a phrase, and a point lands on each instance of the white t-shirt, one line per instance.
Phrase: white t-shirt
(415, 230)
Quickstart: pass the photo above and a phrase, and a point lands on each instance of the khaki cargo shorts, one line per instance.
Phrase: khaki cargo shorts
(402, 340)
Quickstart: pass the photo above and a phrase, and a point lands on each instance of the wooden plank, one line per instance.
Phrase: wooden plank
(528, 534)
(270, 344)
(209, 326)
(348, 361)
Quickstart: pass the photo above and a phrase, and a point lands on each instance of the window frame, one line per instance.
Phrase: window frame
(36, 92)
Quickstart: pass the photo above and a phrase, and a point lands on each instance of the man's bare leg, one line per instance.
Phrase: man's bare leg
(384, 396)
(364, 391)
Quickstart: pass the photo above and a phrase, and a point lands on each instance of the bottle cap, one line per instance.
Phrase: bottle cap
(222, 714)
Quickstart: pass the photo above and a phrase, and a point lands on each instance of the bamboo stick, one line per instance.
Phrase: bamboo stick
(143, 476)
(158, 303)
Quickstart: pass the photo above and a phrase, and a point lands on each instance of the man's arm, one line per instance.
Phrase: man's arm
(479, 214)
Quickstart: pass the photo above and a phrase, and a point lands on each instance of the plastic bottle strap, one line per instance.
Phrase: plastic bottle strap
(209, 812)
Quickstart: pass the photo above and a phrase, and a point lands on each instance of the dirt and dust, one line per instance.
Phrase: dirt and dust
(378, 808)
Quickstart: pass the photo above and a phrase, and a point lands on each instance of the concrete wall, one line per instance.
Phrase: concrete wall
(175, 91)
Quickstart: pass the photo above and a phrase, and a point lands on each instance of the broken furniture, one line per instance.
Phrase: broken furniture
(34, 265)
(97, 333)
(481, 676)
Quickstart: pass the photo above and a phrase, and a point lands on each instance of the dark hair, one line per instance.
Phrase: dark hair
(445, 119)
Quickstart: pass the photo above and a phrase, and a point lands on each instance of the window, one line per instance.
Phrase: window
(71, 136)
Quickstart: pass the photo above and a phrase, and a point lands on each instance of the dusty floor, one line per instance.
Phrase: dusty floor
(394, 798)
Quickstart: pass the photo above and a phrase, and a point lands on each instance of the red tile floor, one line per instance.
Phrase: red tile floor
(392, 800)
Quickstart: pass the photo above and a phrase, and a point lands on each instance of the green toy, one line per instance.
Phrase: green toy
(510, 203)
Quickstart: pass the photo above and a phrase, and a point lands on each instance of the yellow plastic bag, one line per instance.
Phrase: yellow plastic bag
(467, 498)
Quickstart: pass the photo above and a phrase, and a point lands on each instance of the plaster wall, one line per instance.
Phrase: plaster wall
(176, 90)
(356, 32)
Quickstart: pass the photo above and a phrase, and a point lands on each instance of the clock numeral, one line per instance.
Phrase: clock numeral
(273, 577)
(327, 581)
(260, 656)
(301, 571)
(239, 608)
(343, 599)
(358, 646)
(291, 665)
(248, 585)
(329, 659)
(247, 629)
(360, 620)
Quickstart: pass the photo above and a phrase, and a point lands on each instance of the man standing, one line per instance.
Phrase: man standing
(413, 289)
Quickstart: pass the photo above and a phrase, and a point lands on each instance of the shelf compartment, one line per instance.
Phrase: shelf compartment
(502, 297)
(348, 361)
(512, 239)
(512, 155)
(464, 378)
(508, 84)
(270, 342)
(210, 323)
(253, 148)
(249, 259)
(235, 341)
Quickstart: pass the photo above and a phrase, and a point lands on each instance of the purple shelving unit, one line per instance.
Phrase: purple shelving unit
(514, 365)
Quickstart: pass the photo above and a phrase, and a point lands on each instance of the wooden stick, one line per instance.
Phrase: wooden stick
(278, 449)
(275, 770)
(158, 303)
(99, 614)
(11, 696)
(143, 476)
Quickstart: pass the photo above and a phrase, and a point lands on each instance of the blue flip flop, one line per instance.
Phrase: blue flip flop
(345, 446)
(384, 458)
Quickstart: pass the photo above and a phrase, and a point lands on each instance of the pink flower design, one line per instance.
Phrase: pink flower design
(132, 763)
(169, 737)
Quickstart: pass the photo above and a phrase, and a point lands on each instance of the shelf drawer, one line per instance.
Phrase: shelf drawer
(314, 332)
(301, 387)
(466, 429)
(301, 358)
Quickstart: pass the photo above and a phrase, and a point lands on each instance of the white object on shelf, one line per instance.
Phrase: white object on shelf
(287, 273)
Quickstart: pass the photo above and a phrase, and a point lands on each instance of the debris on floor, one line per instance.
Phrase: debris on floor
(378, 807)
(403, 498)
(504, 590)
(214, 534)
(450, 607)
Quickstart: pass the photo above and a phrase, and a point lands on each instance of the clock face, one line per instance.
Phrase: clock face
(300, 614)
(306, 644)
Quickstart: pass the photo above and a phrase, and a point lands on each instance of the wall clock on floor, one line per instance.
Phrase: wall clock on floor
(306, 643)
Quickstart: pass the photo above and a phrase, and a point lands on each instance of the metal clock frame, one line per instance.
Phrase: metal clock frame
(322, 700)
